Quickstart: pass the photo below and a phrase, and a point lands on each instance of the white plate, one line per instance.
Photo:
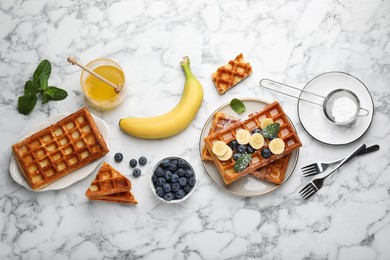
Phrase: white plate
(246, 186)
(71, 178)
(313, 118)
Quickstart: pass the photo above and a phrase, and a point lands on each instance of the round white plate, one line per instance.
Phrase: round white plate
(248, 185)
(313, 118)
(71, 178)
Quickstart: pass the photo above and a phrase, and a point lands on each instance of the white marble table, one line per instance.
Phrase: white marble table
(290, 41)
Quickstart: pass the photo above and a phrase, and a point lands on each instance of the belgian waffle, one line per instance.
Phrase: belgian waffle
(286, 133)
(59, 149)
(110, 185)
(273, 172)
(231, 74)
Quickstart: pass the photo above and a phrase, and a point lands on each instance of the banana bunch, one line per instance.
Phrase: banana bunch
(175, 120)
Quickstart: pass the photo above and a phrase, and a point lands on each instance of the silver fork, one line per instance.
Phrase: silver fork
(319, 167)
(316, 184)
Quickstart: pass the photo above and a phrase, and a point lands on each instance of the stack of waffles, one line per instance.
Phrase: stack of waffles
(110, 185)
(272, 169)
(59, 149)
(231, 74)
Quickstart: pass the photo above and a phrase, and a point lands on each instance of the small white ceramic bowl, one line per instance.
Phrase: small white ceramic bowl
(154, 189)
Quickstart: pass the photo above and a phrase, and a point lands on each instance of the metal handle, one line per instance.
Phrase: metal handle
(369, 149)
(363, 115)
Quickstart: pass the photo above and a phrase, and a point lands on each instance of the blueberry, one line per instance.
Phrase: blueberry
(250, 149)
(182, 163)
(172, 167)
(118, 157)
(142, 160)
(187, 188)
(160, 182)
(159, 191)
(180, 194)
(167, 187)
(136, 172)
(241, 148)
(192, 181)
(154, 178)
(266, 153)
(159, 171)
(133, 162)
(174, 161)
(236, 155)
(182, 181)
(181, 172)
(257, 131)
(189, 173)
(272, 137)
(175, 187)
(168, 196)
(233, 144)
(165, 163)
(167, 175)
(174, 178)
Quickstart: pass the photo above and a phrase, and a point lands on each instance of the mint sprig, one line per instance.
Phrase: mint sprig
(237, 106)
(39, 85)
(271, 130)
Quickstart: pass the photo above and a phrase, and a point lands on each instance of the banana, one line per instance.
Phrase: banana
(175, 120)
(276, 146)
(256, 141)
(220, 148)
(227, 155)
(242, 136)
(265, 122)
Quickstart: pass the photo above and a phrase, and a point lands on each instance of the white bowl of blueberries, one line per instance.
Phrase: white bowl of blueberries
(173, 180)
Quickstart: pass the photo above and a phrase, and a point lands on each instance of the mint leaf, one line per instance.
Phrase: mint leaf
(31, 87)
(242, 162)
(44, 82)
(26, 103)
(271, 130)
(237, 106)
(53, 93)
(43, 69)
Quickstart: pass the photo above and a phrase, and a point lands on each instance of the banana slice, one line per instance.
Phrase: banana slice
(265, 122)
(256, 141)
(243, 136)
(227, 155)
(220, 148)
(276, 146)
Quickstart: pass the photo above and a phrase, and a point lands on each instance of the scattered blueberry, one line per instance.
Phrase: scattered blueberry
(142, 160)
(236, 155)
(133, 162)
(175, 187)
(257, 131)
(167, 175)
(165, 163)
(174, 178)
(187, 188)
(159, 172)
(250, 149)
(273, 137)
(180, 194)
(136, 172)
(182, 181)
(172, 167)
(168, 196)
(266, 153)
(241, 148)
(189, 173)
(159, 191)
(160, 182)
(181, 172)
(233, 144)
(192, 182)
(118, 157)
(167, 187)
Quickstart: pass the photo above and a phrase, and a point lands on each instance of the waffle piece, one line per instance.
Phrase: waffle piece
(231, 74)
(220, 121)
(286, 133)
(110, 185)
(59, 149)
(273, 172)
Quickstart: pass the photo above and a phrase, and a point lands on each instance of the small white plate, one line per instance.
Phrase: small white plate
(71, 178)
(313, 118)
(246, 186)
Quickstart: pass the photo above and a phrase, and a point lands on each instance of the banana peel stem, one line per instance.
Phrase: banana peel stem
(185, 63)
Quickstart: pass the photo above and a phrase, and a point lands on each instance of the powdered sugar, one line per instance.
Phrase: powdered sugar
(344, 109)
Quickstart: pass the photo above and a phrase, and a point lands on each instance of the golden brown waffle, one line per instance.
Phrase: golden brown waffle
(286, 133)
(273, 172)
(110, 185)
(59, 149)
(231, 74)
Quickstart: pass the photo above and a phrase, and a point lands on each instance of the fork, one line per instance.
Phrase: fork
(319, 167)
(316, 184)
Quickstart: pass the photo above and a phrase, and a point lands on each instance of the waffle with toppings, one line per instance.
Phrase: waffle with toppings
(60, 149)
(285, 136)
(231, 74)
(273, 172)
(110, 185)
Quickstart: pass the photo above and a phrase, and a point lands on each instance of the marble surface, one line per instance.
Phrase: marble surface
(289, 41)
